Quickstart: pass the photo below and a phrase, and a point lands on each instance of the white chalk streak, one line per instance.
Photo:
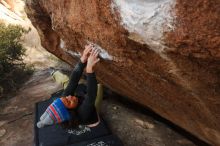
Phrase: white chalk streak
(145, 20)
(103, 53)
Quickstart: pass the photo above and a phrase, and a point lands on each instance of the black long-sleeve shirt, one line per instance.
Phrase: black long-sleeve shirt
(85, 111)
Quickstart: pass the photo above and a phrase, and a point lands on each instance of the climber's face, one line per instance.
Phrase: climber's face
(70, 101)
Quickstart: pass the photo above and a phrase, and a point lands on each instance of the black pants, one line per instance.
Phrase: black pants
(86, 111)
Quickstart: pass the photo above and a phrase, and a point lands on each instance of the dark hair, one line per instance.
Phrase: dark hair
(73, 123)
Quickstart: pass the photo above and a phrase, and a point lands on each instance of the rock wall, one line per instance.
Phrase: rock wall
(163, 54)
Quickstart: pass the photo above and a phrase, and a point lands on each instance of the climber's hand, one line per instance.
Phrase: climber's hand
(86, 52)
(92, 60)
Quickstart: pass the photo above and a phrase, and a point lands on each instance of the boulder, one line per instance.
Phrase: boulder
(163, 54)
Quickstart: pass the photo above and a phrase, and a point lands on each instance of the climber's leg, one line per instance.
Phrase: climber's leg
(99, 98)
(61, 78)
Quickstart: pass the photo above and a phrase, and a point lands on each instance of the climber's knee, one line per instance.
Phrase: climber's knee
(61, 78)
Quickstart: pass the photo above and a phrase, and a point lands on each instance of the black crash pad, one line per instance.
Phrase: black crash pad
(55, 135)
(110, 140)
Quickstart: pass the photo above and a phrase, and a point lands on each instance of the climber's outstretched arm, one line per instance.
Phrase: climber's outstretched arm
(77, 72)
(74, 79)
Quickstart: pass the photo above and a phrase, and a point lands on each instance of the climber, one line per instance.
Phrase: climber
(73, 110)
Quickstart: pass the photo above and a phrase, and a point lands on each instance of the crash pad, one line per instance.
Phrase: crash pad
(55, 135)
(110, 140)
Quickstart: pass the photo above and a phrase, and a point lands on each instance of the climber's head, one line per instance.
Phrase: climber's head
(70, 102)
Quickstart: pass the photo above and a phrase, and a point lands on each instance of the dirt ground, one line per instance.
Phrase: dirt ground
(129, 123)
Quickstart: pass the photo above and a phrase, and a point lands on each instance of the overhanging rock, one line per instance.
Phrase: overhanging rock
(163, 54)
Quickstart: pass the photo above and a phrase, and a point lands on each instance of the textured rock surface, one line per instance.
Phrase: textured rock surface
(162, 58)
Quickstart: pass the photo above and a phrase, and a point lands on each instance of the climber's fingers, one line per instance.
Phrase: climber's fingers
(96, 53)
(97, 60)
(92, 51)
(88, 48)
